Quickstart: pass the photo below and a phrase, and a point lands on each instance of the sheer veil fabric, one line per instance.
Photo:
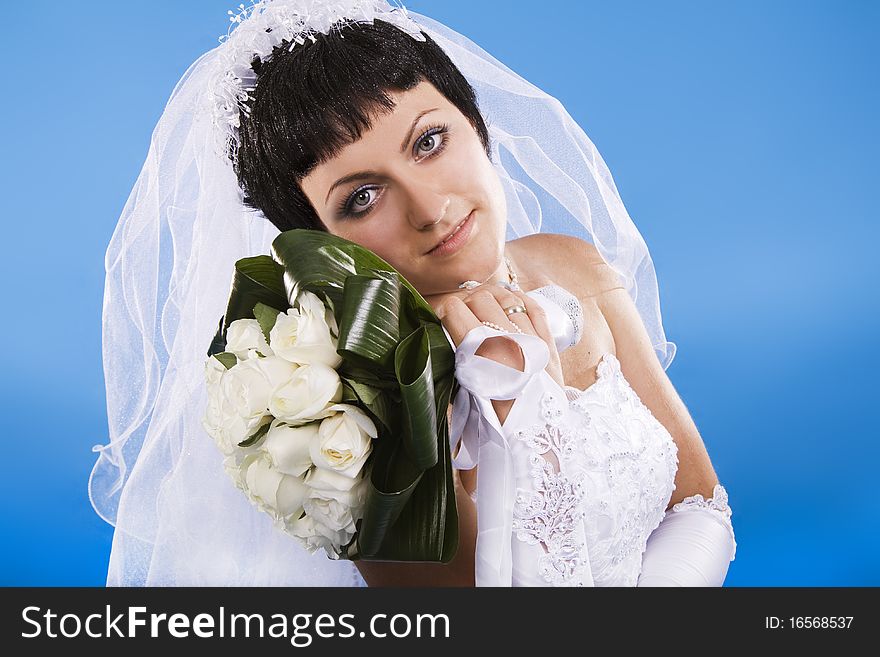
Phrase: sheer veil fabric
(159, 480)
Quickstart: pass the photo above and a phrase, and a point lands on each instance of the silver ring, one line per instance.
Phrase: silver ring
(516, 309)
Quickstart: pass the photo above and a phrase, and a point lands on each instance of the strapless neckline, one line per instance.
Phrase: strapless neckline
(608, 364)
(607, 367)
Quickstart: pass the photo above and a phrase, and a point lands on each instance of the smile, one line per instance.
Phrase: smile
(456, 239)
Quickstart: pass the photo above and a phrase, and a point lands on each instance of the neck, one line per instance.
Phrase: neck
(501, 273)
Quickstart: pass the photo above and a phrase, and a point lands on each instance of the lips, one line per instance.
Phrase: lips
(451, 233)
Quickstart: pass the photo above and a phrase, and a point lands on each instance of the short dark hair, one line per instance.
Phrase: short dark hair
(312, 101)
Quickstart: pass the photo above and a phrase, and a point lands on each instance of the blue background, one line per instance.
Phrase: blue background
(742, 137)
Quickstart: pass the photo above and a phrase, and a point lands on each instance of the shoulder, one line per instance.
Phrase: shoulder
(570, 261)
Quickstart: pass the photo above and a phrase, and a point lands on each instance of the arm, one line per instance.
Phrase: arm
(694, 543)
(650, 382)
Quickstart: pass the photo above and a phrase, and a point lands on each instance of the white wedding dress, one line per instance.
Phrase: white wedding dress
(590, 472)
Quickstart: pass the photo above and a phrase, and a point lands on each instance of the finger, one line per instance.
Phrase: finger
(510, 298)
(488, 304)
(539, 320)
(521, 317)
(538, 317)
(457, 318)
(542, 325)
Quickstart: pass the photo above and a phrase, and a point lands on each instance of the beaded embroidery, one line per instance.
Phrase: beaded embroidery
(615, 476)
(549, 514)
(717, 504)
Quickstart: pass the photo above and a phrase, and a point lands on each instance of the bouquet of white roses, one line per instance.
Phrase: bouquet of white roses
(328, 383)
(274, 410)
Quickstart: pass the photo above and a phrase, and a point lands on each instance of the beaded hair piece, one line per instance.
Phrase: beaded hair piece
(257, 29)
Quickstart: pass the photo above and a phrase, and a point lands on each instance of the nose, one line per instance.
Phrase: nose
(440, 216)
(425, 205)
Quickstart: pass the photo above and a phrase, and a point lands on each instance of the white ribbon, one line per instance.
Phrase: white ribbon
(485, 441)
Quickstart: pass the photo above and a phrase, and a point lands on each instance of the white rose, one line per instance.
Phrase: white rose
(344, 440)
(330, 320)
(302, 335)
(333, 520)
(289, 447)
(310, 305)
(243, 335)
(277, 371)
(306, 530)
(214, 371)
(335, 510)
(223, 418)
(321, 479)
(213, 418)
(279, 494)
(232, 466)
(239, 405)
(306, 395)
(245, 391)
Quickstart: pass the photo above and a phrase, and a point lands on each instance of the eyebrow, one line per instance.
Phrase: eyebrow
(360, 175)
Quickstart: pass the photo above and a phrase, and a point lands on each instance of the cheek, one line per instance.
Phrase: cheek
(484, 178)
(383, 242)
(363, 234)
(481, 177)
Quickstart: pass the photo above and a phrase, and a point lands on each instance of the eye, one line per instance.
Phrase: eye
(359, 202)
(429, 144)
(363, 199)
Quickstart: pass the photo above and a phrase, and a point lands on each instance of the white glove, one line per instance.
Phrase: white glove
(693, 545)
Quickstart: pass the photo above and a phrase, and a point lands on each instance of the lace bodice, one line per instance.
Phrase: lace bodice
(591, 471)
(592, 485)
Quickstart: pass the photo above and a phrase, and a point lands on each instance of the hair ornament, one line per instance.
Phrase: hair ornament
(257, 29)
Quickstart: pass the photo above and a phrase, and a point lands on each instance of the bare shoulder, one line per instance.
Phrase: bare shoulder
(570, 261)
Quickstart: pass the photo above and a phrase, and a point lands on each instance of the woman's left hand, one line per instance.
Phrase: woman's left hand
(487, 302)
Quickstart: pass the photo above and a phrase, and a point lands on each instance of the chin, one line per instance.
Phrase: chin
(479, 264)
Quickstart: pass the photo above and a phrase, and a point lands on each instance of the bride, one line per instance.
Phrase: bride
(576, 461)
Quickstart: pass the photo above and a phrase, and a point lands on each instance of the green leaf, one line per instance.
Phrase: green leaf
(256, 280)
(266, 317)
(368, 322)
(348, 394)
(218, 344)
(259, 433)
(415, 522)
(365, 393)
(372, 399)
(227, 358)
(393, 479)
(317, 259)
(412, 364)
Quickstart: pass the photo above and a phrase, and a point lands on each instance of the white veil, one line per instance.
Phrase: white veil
(179, 520)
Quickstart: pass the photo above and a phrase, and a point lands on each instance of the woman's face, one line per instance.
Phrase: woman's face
(406, 185)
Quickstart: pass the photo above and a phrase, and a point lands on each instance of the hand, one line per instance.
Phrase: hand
(462, 311)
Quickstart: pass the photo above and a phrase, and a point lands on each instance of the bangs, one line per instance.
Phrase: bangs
(324, 96)
(311, 102)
